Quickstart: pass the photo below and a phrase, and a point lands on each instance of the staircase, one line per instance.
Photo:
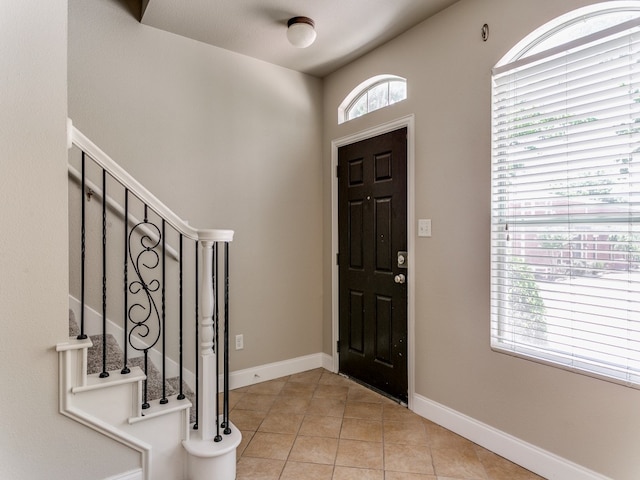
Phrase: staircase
(147, 331)
(113, 356)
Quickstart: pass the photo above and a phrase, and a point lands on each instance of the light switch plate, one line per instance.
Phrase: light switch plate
(424, 227)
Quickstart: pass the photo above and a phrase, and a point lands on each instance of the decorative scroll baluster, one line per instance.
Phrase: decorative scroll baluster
(104, 372)
(140, 314)
(83, 235)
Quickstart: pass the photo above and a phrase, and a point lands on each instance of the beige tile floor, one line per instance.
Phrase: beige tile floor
(319, 426)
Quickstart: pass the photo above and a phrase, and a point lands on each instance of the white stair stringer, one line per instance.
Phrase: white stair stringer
(72, 361)
(161, 433)
(112, 406)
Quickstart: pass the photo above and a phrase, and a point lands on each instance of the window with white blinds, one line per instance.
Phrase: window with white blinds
(565, 246)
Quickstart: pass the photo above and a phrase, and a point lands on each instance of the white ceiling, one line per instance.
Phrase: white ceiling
(346, 29)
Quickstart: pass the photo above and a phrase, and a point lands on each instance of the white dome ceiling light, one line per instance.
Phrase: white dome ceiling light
(301, 32)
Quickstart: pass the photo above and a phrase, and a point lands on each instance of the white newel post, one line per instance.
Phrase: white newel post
(207, 416)
(209, 460)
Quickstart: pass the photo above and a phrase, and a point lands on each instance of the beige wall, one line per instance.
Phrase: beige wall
(590, 422)
(35, 440)
(227, 142)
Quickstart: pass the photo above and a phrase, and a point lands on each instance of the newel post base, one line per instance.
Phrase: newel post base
(209, 460)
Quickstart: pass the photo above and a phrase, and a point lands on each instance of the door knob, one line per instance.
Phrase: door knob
(400, 278)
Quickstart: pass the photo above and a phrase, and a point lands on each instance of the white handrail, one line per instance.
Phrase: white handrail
(124, 178)
(94, 190)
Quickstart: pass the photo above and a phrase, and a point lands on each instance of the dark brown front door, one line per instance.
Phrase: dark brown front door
(372, 222)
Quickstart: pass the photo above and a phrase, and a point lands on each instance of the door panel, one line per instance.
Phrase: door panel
(356, 235)
(383, 213)
(384, 328)
(372, 222)
(356, 322)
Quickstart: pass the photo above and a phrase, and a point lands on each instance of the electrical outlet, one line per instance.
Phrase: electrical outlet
(239, 342)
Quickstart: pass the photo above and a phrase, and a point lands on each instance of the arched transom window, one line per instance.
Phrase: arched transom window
(375, 93)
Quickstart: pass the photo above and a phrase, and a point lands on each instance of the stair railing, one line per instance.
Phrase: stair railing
(149, 248)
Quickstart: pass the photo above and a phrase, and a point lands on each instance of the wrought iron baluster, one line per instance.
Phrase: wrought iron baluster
(144, 258)
(181, 395)
(227, 429)
(82, 335)
(214, 278)
(125, 367)
(216, 348)
(145, 390)
(163, 333)
(104, 372)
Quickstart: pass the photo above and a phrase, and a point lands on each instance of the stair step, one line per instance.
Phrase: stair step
(187, 392)
(157, 409)
(94, 382)
(73, 344)
(114, 364)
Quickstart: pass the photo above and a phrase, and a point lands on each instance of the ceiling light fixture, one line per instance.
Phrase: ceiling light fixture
(301, 32)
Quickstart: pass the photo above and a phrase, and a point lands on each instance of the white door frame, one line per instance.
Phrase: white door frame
(408, 122)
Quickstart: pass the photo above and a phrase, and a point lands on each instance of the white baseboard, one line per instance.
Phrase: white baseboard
(327, 363)
(270, 371)
(539, 461)
(131, 475)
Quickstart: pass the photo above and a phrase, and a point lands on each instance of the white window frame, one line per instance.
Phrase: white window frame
(363, 90)
(508, 248)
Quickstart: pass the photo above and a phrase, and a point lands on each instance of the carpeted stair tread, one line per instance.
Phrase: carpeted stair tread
(154, 379)
(74, 329)
(94, 354)
(175, 383)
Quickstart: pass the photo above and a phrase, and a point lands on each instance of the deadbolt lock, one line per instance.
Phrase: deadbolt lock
(402, 259)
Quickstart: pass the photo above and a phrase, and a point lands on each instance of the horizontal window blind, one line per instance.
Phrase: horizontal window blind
(565, 246)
